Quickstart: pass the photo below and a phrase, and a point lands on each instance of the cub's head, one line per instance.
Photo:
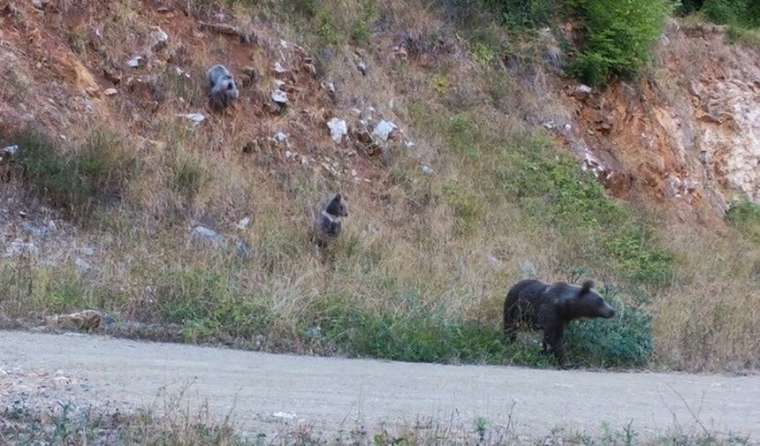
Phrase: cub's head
(337, 207)
(589, 304)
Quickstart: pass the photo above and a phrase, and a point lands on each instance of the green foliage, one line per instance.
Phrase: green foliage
(462, 135)
(78, 179)
(466, 206)
(416, 335)
(525, 13)
(624, 341)
(733, 12)
(745, 216)
(554, 190)
(210, 305)
(619, 35)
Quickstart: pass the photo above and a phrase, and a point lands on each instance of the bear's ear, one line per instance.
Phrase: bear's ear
(338, 197)
(586, 287)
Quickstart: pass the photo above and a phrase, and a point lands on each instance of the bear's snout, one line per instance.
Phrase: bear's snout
(608, 313)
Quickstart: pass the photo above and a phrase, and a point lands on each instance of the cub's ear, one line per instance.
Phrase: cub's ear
(587, 285)
(338, 197)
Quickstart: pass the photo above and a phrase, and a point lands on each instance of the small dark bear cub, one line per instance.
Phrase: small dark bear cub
(550, 308)
(223, 90)
(328, 224)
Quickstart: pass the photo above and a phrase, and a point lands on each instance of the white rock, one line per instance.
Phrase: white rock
(159, 39)
(19, 247)
(281, 137)
(82, 265)
(204, 234)
(280, 97)
(338, 129)
(135, 62)
(427, 170)
(9, 151)
(383, 130)
(244, 223)
(279, 69)
(196, 118)
(110, 91)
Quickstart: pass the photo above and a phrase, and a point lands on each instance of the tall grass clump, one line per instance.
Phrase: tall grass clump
(745, 216)
(618, 37)
(78, 178)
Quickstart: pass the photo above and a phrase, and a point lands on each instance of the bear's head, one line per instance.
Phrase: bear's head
(589, 304)
(337, 207)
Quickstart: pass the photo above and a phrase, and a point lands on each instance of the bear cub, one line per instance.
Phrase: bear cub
(328, 221)
(222, 87)
(550, 307)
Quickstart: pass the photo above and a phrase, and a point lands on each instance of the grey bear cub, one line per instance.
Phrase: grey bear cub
(222, 87)
(550, 308)
(328, 224)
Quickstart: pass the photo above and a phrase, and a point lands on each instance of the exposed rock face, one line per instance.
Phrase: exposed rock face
(689, 134)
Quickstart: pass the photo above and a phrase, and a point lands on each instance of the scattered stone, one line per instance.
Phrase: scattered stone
(582, 91)
(9, 151)
(136, 62)
(87, 320)
(82, 265)
(205, 235)
(279, 69)
(244, 223)
(383, 130)
(110, 91)
(281, 137)
(87, 251)
(427, 170)
(40, 4)
(159, 39)
(223, 28)
(196, 118)
(18, 248)
(338, 129)
(280, 97)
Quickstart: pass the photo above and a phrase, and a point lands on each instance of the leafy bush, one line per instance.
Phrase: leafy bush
(76, 180)
(525, 13)
(625, 340)
(733, 12)
(618, 37)
(745, 216)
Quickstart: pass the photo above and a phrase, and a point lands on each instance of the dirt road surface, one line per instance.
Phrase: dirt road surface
(263, 391)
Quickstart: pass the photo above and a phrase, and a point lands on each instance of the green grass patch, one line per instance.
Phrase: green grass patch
(78, 179)
(554, 190)
(745, 216)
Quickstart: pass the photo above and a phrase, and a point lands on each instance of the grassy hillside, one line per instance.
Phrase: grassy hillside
(474, 195)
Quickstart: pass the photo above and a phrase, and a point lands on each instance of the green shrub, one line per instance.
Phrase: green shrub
(745, 216)
(525, 13)
(624, 341)
(619, 35)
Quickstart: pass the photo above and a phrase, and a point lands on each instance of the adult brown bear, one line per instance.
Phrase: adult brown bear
(550, 308)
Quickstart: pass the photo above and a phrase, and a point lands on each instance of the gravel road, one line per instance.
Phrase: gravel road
(263, 391)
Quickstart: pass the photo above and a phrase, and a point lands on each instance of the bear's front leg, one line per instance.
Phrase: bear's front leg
(553, 339)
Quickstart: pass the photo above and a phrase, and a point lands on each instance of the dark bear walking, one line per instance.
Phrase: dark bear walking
(551, 307)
